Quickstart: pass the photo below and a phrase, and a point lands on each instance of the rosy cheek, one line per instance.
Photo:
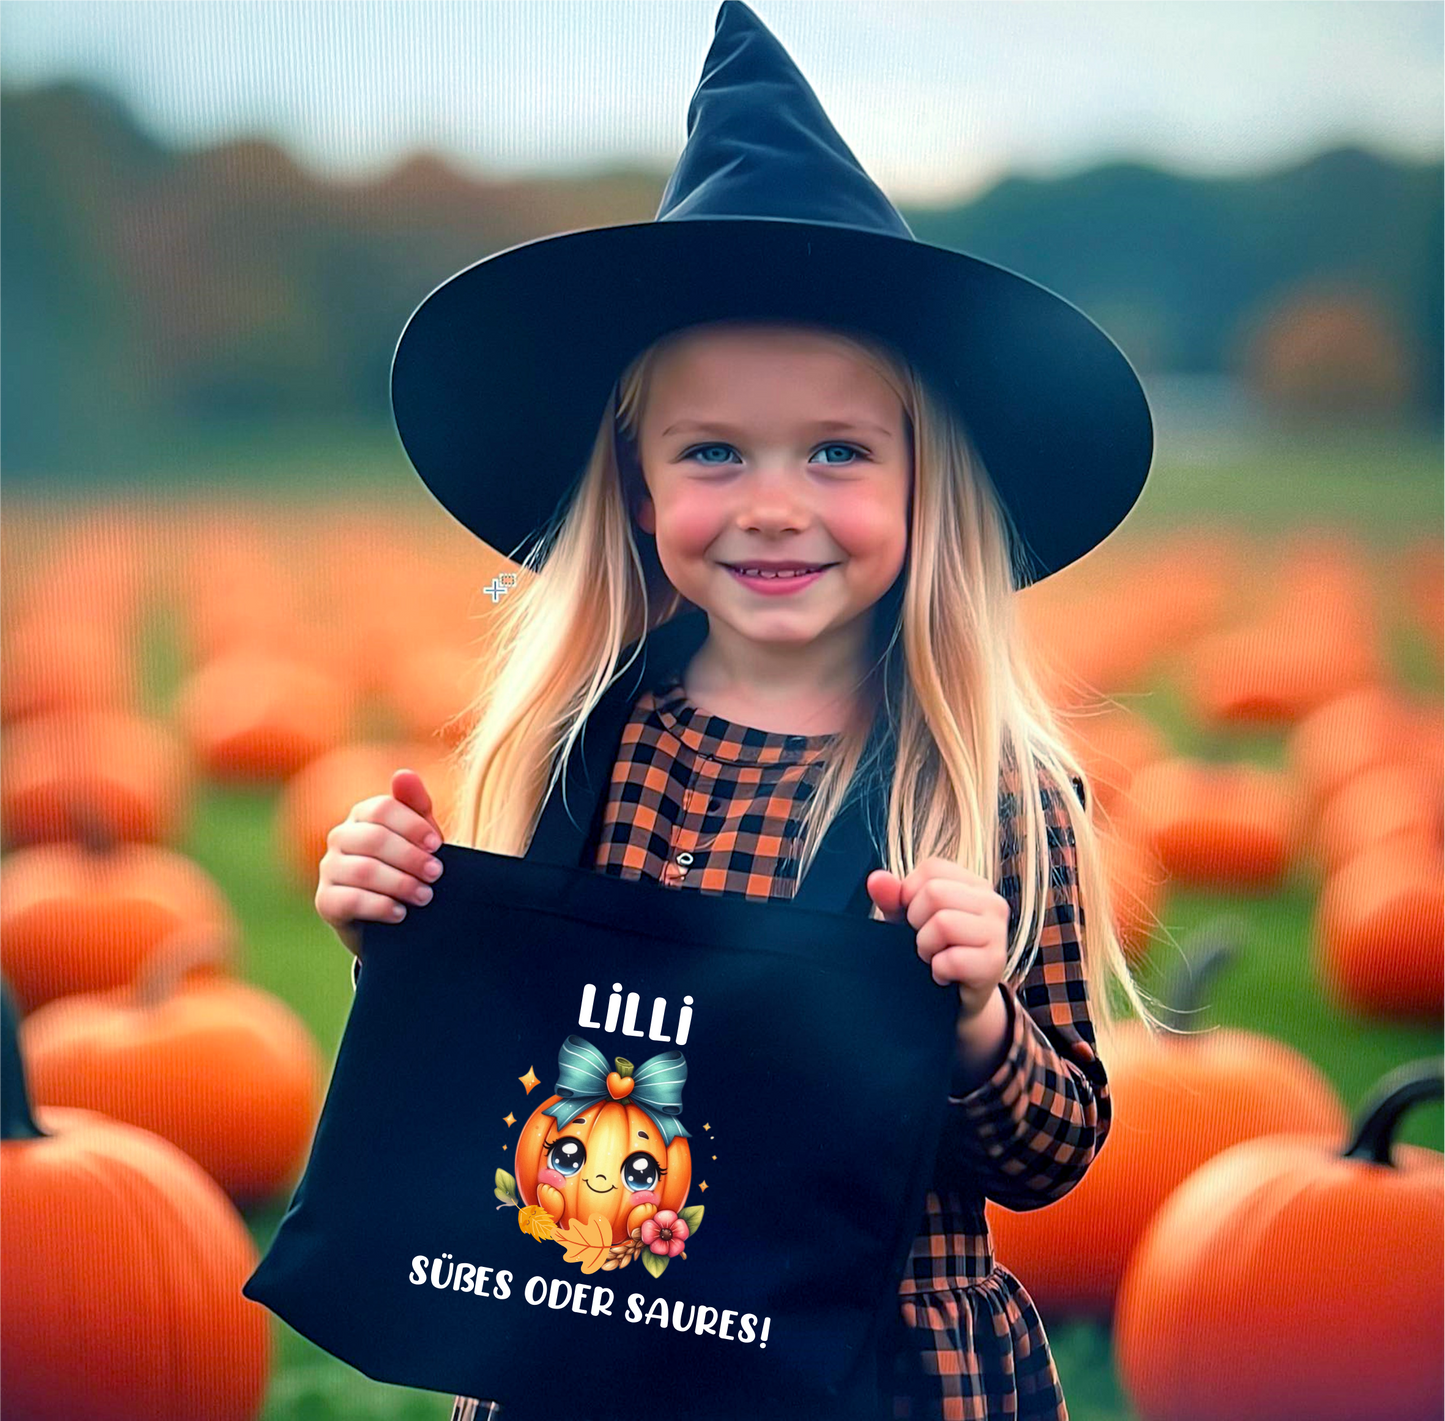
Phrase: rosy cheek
(646, 1197)
(867, 527)
(550, 1176)
(691, 526)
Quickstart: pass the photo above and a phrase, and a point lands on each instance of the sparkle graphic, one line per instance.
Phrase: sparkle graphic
(702, 1186)
(706, 1126)
(512, 1120)
(529, 1080)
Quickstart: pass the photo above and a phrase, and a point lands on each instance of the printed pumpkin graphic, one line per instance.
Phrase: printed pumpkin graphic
(608, 1144)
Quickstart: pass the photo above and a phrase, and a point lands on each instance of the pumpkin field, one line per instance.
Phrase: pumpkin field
(199, 679)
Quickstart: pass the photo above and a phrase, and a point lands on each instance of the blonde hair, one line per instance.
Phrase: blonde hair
(949, 668)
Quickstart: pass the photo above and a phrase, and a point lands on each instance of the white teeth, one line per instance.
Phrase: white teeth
(763, 572)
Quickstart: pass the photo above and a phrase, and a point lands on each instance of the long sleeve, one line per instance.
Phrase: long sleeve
(1028, 1132)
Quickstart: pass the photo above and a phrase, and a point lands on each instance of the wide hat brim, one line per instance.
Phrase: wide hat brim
(502, 374)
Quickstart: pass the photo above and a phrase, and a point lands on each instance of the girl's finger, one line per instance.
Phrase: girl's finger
(884, 888)
(400, 819)
(408, 788)
(363, 839)
(362, 871)
(944, 871)
(961, 967)
(343, 907)
(953, 927)
(937, 895)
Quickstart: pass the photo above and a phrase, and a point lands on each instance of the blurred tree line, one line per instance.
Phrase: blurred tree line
(149, 291)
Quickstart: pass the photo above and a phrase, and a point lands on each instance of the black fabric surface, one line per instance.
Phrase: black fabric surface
(817, 1064)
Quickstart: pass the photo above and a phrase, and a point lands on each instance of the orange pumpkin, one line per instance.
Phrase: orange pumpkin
(1215, 825)
(1369, 725)
(616, 1164)
(1291, 1277)
(101, 561)
(255, 717)
(1378, 929)
(131, 774)
(81, 917)
(1184, 581)
(231, 588)
(1317, 634)
(223, 1070)
(256, 587)
(121, 1291)
(1177, 1101)
(60, 663)
(1378, 805)
(1427, 745)
(419, 573)
(388, 606)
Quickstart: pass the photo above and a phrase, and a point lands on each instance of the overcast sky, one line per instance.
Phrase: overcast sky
(936, 97)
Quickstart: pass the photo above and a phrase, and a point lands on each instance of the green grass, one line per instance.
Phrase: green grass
(1388, 491)
(1378, 484)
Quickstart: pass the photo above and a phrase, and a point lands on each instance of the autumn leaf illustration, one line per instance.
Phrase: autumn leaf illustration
(586, 1244)
(535, 1220)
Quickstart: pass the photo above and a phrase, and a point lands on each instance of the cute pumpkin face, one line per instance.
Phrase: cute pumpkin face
(608, 1161)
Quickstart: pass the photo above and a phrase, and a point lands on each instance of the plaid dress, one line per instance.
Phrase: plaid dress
(698, 802)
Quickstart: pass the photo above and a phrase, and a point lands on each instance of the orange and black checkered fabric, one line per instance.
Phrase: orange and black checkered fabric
(699, 802)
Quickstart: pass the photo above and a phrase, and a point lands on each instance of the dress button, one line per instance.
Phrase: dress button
(796, 742)
(684, 859)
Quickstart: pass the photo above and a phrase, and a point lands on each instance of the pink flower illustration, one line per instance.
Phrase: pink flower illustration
(664, 1233)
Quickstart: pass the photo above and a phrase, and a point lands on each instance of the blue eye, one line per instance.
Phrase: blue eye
(640, 1172)
(567, 1155)
(697, 448)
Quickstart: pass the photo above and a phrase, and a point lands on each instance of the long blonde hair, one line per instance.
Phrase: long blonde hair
(949, 668)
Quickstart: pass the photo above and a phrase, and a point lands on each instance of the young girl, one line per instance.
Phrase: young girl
(787, 415)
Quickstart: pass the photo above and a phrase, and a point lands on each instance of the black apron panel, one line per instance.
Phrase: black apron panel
(569, 826)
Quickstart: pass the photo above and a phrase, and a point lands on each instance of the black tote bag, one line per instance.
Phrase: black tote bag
(547, 1058)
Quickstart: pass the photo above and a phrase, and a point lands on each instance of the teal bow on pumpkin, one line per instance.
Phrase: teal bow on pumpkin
(656, 1086)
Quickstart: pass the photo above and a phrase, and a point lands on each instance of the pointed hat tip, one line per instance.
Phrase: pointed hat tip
(736, 10)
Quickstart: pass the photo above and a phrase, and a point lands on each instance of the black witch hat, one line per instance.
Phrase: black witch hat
(502, 374)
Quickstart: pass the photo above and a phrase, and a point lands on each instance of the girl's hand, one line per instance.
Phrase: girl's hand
(377, 859)
(962, 925)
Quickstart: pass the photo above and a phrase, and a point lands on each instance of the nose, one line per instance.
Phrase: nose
(772, 510)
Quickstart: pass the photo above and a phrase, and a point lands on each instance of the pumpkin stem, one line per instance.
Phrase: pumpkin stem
(175, 956)
(1391, 1097)
(90, 827)
(624, 1066)
(16, 1121)
(1208, 949)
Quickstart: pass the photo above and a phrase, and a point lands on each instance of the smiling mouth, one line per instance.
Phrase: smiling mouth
(770, 576)
(608, 1190)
